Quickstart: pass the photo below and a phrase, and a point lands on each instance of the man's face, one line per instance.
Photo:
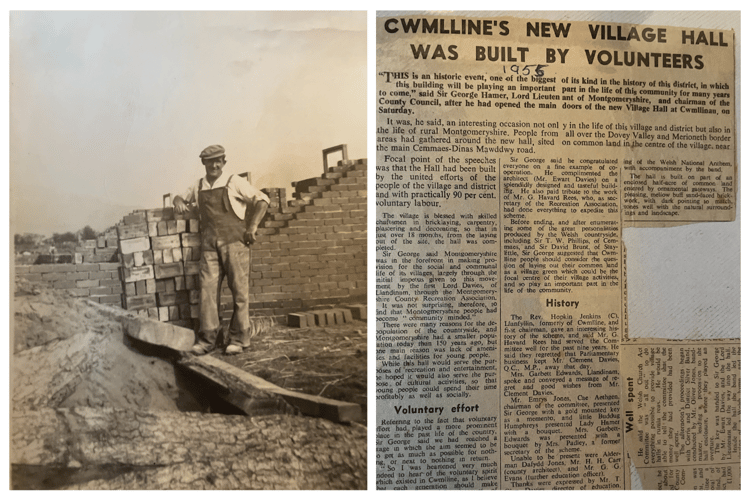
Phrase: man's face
(213, 167)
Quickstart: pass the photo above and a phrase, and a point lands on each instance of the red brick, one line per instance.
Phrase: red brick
(173, 298)
(293, 280)
(130, 231)
(138, 273)
(140, 302)
(165, 242)
(177, 254)
(100, 275)
(191, 268)
(158, 214)
(86, 267)
(190, 239)
(185, 311)
(87, 283)
(136, 217)
(128, 260)
(298, 320)
(148, 257)
(64, 284)
(129, 246)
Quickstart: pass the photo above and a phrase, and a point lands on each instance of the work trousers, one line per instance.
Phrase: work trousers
(217, 261)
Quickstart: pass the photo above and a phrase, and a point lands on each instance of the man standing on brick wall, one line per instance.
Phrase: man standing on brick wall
(222, 200)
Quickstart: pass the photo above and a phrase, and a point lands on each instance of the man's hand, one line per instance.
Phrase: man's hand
(250, 235)
(180, 206)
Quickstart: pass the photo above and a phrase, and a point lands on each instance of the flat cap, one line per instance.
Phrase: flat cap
(212, 152)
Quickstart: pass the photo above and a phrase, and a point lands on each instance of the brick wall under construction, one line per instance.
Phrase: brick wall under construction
(311, 253)
(99, 282)
(313, 249)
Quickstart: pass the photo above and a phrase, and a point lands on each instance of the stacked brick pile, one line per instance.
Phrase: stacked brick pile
(159, 253)
(103, 249)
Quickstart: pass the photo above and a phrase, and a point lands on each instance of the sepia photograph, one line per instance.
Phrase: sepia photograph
(188, 236)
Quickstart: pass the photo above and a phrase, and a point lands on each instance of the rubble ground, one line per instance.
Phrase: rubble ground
(72, 358)
(323, 361)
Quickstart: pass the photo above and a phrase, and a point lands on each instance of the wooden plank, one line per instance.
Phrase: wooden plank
(315, 406)
(157, 333)
(251, 400)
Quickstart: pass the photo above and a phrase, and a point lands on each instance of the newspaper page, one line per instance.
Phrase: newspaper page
(511, 154)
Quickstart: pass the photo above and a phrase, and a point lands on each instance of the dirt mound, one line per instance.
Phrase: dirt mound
(42, 315)
(56, 335)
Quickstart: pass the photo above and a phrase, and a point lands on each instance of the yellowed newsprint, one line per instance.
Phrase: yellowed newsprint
(512, 153)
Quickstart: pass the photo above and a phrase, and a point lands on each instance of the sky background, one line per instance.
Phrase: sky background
(110, 110)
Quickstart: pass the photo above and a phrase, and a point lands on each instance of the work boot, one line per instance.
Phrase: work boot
(200, 348)
(233, 349)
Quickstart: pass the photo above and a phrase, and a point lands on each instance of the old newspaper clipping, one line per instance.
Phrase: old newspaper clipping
(511, 154)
